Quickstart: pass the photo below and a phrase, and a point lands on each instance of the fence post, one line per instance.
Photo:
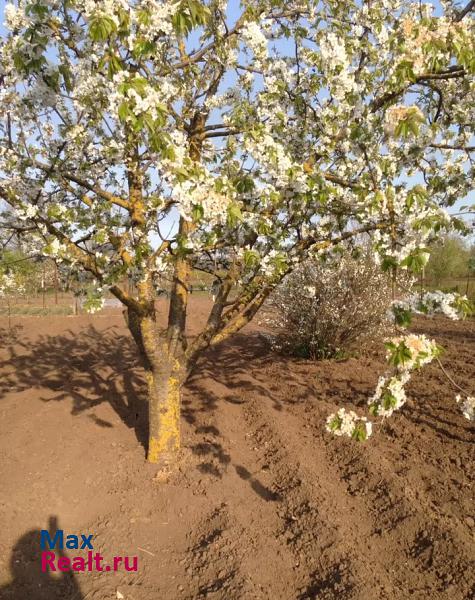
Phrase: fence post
(43, 288)
(56, 283)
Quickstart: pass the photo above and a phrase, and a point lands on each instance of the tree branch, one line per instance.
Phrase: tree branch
(246, 306)
(117, 200)
(451, 73)
(462, 13)
(450, 147)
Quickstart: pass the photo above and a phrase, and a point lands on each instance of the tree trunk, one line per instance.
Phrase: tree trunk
(164, 382)
(165, 374)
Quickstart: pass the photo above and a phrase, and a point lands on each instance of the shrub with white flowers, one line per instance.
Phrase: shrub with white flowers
(329, 306)
(11, 284)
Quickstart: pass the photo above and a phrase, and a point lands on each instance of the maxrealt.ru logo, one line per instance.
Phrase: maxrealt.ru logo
(93, 561)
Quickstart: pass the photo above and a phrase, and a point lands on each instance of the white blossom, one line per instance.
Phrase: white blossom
(467, 406)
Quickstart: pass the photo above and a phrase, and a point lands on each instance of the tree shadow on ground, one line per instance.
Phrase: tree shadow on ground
(228, 373)
(93, 366)
(28, 581)
(10, 335)
(332, 584)
(239, 364)
(90, 367)
(96, 366)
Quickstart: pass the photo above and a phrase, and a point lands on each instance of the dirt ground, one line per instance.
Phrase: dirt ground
(265, 504)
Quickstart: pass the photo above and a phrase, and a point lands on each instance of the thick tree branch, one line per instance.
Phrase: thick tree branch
(468, 8)
(85, 258)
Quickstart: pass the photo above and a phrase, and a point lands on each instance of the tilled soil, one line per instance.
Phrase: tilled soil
(265, 504)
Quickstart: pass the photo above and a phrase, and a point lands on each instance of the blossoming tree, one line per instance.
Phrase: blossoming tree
(271, 129)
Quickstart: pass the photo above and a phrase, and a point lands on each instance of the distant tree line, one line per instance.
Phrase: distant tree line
(451, 258)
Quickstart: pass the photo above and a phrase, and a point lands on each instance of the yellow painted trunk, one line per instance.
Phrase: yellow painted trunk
(164, 416)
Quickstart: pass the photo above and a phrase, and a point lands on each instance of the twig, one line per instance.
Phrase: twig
(450, 378)
(143, 550)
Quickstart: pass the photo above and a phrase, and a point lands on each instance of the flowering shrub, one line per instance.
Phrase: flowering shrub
(11, 284)
(325, 309)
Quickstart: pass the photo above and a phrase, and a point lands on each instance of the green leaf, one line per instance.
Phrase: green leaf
(388, 262)
(359, 433)
(143, 49)
(244, 185)
(374, 409)
(101, 27)
(197, 212)
(263, 228)
(124, 111)
(182, 23)
(36, 9)
(234, 214)
(402, 316)
(388, 401)
(251, 259)
(405, 72)
(114, 65)
(400, 354)
(144, 17)
(66, 73)
(416, 261)
(463, 305)
(335, 423)
(417, 195)
(138, 123)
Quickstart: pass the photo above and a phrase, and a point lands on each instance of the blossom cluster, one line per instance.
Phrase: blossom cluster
(467, 406)
(404, 353)
(200, 196)
(348, 423)
(94, 302)
(435, 32)
(410, 351)
(450, 304)
(389, 395)
(399, 115)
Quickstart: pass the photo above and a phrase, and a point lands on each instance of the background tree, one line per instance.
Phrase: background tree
(268, 129)
(449, 258)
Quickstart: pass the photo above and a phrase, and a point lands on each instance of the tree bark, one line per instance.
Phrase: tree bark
(165, 374)
(164, 383)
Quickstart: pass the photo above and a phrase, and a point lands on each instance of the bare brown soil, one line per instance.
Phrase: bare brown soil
(265, 504)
